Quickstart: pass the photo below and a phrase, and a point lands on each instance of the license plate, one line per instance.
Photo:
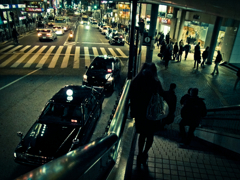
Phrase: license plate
(44, 37)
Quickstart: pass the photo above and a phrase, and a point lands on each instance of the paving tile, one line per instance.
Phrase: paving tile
(182, 173)
(204, 176)
(158, 165)
(166, 166)
(166, 171)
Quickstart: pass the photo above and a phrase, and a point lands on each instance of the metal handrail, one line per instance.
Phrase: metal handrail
(92, 161)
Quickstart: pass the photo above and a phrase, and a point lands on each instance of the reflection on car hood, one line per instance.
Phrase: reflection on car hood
(49, 140)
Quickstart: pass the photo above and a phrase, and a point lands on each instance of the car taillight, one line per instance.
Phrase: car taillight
(39, 34)
(71, 35)
(109, 70)
(48, 34)
(73, 121)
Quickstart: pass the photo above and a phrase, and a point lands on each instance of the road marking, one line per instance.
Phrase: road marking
(120, 52)
(6, 48)
(7, 53)
(95, 52)
(103, 51)
(18, 79)
(29, 63)
(12, 57)
(76, 38)
(87, 57)
(55, 57)
(76, 57)
(45, 57)
(24, 57)
(112, 52)
(66, 57)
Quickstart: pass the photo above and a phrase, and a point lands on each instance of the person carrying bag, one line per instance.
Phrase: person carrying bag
(143, 88)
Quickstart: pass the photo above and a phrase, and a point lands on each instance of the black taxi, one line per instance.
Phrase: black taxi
(104, 71)
(66, 122)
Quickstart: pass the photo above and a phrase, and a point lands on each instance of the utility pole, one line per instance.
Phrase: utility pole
(132, 57)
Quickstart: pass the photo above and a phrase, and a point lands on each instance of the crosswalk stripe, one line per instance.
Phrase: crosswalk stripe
(24, 57)
(87, 57)
(29, 63)
(10, 51)
(120, 52)
(55, 57)
(6, 48)
(19, 56)
(12, 57)
(66, 57)
(112, 52)
(76, 57)
(95, 52)
(45, 57)
(103, 51)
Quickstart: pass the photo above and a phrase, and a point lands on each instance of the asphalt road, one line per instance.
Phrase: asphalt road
(26, 89)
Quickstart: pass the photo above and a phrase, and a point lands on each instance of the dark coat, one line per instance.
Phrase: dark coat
(218, 58)
(180, 50)
(187, 48)
(175, 49)
(171, 99)
(163, 48)
(141, 90)
(205, 54)
(193, 110)
(197, 53)
(167, 38)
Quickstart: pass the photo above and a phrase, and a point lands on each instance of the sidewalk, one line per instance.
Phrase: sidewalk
(200, 161)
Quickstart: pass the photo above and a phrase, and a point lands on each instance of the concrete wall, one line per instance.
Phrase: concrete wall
(235, 55)
(228, 141)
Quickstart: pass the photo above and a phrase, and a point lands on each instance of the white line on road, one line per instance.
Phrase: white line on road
(6, 48)
(19, 79)
(19, 61)
(55, 57)
(76, 57)
(87, 57)
(45, 57)
(66, 57)
(29, 63)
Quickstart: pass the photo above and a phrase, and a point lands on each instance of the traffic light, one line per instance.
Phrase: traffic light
(95, 7)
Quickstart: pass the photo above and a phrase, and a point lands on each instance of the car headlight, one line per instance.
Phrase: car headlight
(65, 28)
(108, 77)
(85, 78)
(88, 22)
(81, 22)
(19, 155)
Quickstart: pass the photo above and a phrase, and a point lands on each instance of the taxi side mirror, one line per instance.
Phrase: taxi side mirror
(86, 67)
(20, 134)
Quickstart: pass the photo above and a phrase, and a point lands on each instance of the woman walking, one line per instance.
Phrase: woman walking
(143, 85)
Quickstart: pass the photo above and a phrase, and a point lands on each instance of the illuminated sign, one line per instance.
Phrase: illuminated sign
(4, 6)
(34, 9)
(165, 21)
(23, 17)
(21, 6)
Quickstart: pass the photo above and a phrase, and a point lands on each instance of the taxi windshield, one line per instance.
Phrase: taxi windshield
(102, 64)
(62, 113)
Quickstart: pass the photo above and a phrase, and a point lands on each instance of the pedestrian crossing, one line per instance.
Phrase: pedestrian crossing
(54, 56)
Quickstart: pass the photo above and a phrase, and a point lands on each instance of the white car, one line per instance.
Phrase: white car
(59, 30)
(44, 34)
(105, 29)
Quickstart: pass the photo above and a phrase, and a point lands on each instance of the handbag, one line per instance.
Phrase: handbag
(157, 108)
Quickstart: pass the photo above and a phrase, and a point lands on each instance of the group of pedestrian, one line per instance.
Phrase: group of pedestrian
(142, 87)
